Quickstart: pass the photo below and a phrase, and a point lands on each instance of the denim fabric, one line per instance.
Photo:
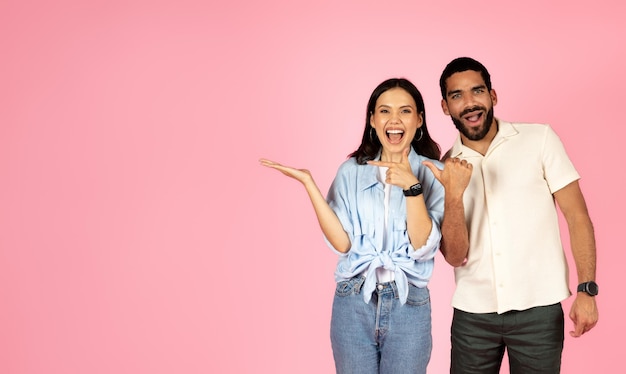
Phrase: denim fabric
(382, 336)
(533, 339)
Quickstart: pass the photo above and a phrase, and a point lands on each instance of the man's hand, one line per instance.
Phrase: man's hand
(584, 314)
(454, 177)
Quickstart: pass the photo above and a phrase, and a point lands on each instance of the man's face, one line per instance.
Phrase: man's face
(470, 104)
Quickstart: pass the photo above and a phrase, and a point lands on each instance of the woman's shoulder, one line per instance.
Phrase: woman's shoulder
(350, 169)
(349, 164)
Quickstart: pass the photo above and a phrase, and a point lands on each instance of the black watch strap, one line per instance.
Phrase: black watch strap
(591, 288)
(414, 190)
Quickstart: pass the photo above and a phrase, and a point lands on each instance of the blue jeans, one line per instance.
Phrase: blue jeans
(382, 337)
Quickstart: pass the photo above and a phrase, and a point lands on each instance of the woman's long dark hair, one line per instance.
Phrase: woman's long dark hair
(370, 144)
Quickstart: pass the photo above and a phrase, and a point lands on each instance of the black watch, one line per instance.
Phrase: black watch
(591, 288)
(414, 190)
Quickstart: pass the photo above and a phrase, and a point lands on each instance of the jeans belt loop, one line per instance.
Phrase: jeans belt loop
(359, 284)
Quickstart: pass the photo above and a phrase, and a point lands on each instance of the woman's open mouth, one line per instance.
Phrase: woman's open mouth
(395, 136)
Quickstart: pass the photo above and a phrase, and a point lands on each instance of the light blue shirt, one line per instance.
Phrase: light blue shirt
(357, 197)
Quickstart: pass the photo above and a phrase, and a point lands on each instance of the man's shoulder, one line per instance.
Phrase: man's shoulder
(523, 129)
(524, 126)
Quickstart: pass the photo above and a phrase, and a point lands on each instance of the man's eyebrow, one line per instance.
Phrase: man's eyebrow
(450, 93)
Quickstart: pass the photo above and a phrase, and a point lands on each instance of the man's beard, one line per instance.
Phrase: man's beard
(476, 134)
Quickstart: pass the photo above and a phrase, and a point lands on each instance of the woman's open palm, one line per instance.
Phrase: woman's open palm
(301, 175)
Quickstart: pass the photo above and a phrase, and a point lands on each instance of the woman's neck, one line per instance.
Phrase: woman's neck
(391, 156)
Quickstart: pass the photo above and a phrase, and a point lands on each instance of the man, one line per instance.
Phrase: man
(500, 231)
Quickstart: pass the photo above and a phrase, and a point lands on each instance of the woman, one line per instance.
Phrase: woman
(382, 216)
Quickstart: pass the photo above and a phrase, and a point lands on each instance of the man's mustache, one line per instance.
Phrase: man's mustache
(472, 109)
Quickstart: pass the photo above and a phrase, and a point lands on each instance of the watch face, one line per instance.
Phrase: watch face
(592, 287)
(414, 190)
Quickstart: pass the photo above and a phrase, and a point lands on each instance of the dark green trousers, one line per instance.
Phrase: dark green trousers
(533, 339)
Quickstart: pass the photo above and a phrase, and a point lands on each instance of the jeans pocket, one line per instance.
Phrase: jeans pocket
(350, 286)
(418, 296)
(344, 288)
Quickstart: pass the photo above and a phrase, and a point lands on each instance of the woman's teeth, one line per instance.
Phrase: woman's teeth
(395, 135)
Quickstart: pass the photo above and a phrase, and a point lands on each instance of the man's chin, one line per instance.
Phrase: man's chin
(474, 137)
(475, 132)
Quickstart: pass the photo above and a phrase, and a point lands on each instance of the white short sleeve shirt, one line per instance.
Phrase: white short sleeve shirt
(516, 259)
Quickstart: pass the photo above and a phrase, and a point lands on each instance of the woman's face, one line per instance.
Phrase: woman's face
(396, 120)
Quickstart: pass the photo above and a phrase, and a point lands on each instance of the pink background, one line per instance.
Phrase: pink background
(138, 233)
